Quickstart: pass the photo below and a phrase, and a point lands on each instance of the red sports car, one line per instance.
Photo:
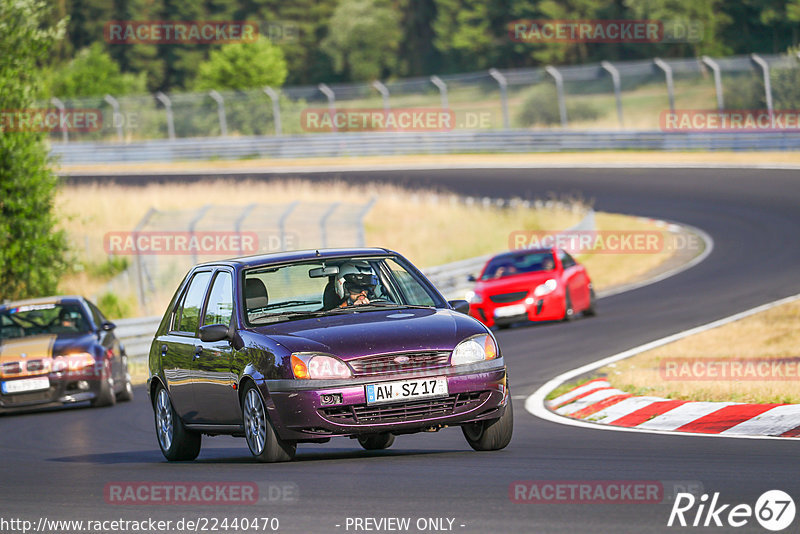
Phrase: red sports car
(533, 284)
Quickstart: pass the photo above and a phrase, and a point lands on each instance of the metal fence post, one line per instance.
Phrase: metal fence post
(61, 110)
(501, 81)
(223, 123)
(114, 103)
(164, 99)
(237, 225)
(758, 60)
(439, 83)
(384, 91)
(276, 108)
(328, 92)
(361, 214)
(282, 222)
(193, 224)
(717, 81)
(562, 103)
(663, 65)
(323, 224)
(617, 88)
(139, 268)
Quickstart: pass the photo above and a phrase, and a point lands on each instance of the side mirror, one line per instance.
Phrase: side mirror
(461, 306)
(213, 332)
(108, 326)
(471, 278)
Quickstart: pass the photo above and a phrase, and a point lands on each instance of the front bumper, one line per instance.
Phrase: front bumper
(475, 393)
(63, 390)
(547, 308)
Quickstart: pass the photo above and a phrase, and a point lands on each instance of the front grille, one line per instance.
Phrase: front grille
(503, 298)
(24, 398)
(403, 412)
(386, 363)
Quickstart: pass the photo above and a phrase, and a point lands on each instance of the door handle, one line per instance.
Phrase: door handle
(164, 349)
(197, 352)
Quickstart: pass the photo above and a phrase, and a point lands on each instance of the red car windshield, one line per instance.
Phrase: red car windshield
(511, 264)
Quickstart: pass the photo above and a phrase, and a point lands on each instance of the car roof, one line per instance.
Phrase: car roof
(299, 255)
(522, 251)
(57, 299)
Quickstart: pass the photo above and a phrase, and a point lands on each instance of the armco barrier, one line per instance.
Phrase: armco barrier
(388, 143)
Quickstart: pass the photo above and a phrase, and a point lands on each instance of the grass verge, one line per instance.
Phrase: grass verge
(753, 360)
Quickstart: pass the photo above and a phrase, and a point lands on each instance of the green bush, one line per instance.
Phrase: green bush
(115, 307)
(540, 108)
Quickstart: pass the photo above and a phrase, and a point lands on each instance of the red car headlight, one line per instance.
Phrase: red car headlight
(319, 366)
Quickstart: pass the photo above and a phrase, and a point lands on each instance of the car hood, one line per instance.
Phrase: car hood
(509, 284)
(44, 346)
(352, 335)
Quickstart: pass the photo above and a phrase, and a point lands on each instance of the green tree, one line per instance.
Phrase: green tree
(94, 73)
(363, 39)
(31, 251)
(243, 66)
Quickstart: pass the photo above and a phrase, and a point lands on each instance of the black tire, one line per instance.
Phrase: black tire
(375, 442)
(175, 441)
(591, 311)
(491, 435)
(569, 311)
(262, 440)
(126, 395)
(106, 396)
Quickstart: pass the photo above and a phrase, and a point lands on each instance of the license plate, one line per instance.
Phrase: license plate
(26, 384)
(406, 390)
(510, 311)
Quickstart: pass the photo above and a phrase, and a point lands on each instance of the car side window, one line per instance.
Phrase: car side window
(567, 261)
(97, 315)
(192, 302)
(219, 309)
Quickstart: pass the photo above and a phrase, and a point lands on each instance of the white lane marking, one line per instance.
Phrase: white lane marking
(568, 396)
(535, 403)
(621, 409)
(588, 400)
(685, 413)
(773, 422)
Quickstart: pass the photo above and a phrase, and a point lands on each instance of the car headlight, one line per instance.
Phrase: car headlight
(475, 349)
(319, 367)
(546, 288)
(473, 298)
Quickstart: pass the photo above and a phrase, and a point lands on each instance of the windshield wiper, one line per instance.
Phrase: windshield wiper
(277, 317)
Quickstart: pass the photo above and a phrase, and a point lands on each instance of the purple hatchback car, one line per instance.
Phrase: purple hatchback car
(299, 347)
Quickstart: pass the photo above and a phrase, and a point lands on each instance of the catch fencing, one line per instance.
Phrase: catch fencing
(624, 95)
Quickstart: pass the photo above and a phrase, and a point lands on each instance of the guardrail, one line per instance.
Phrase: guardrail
(395, 143)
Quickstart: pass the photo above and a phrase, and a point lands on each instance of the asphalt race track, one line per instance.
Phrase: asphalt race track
(57, 464)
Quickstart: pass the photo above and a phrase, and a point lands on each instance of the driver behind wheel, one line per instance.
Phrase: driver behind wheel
(354, 283)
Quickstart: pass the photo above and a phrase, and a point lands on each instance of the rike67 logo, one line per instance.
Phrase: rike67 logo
(774, 510)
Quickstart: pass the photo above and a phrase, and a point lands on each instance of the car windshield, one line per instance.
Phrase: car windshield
(332, 286)
(509, 265)
(37, 319)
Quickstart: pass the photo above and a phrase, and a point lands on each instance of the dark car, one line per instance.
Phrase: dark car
(299, 347)
(544, 284)
(59, 350)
